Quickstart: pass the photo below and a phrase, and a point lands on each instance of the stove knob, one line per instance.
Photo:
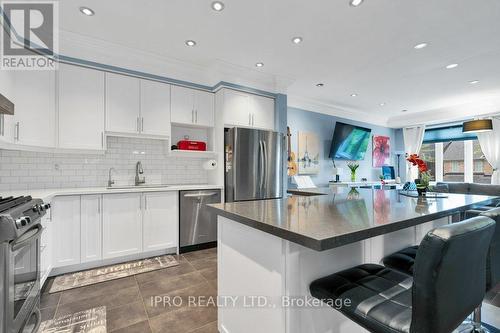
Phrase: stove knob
(46, 206)
(22, 221)
(35, 208)
(41, 208)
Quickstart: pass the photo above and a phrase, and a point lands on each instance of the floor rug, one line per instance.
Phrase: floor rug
(89, 321)
(113, 272)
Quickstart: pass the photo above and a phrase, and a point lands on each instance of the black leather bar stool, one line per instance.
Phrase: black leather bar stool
(447, 284)
(404, 260)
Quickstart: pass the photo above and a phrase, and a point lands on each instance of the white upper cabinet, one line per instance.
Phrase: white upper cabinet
(161, 220)
(204, 108)
(155, 108)
(248, 110)
(262, 109)
(7, 121)
(34, 122)
(121, 225)
(192, 107)
(81, 108)
(122, 104)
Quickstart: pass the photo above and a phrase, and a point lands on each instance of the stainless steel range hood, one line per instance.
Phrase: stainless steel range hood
(6, 106)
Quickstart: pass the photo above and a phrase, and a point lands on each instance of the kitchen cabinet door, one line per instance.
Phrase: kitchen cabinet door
(122, 225)
(161, 220)
(155, 108)
(122, 104)
(35, 108)
(81, 108)
(7, 121)
(236, 108)
(204, 108)
(91, 228)
(182, 105)
(262, 109)
(66, 230)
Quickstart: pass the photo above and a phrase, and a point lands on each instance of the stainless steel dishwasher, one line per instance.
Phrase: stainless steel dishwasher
(198, 226)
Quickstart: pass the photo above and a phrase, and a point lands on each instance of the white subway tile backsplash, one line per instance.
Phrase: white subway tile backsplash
(23, 170)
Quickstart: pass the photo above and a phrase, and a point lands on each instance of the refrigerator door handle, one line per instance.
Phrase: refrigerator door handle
(261, 165)
(264, 181)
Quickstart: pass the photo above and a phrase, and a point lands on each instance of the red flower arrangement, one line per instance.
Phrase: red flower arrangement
(415, 160)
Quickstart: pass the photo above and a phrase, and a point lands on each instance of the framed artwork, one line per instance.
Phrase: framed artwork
(381, 154)
(308, 154)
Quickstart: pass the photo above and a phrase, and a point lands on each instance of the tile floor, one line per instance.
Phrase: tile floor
(130, 310)
(128, 300)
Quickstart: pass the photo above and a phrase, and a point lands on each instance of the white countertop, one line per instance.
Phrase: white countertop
(47, 194)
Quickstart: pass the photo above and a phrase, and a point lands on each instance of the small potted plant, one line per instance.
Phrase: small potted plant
(424, 175)
(353, 166)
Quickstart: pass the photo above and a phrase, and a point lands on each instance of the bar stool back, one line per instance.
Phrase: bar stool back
(448, 283)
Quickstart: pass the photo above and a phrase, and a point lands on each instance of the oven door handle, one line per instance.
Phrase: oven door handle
(36, 313)
(18, 245)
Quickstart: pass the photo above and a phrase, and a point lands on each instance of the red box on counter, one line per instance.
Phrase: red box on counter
(192, 145)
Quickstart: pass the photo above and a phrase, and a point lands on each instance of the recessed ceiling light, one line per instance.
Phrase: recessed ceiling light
(474, 82)
(190, 42)
(382, 104)
(356, 3)
(297, 40)
(218, 6)
(451, 66)
(420, 46)
(354, 95)
(404, 110)
(87, 11)
(320, 85)
(259, 64)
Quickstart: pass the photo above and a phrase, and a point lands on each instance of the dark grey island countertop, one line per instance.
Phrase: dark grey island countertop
(335, 219)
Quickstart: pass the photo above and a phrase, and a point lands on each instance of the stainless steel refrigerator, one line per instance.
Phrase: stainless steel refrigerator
(253, 164)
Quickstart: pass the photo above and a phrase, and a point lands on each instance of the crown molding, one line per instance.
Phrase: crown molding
(309, 104)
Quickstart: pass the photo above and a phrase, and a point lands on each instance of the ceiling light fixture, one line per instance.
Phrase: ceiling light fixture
(356, 3)
(297, 40)
(218, 6)
(477, 126)
(451, 66)
(420, 46)
(354, 95)
(259, 64)
(190, 42)
(474, 82)
(320, 85)
(87, 11)
(382, 104)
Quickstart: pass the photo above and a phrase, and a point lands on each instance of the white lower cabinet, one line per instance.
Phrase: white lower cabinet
(91, 228)
(121, 224)
(66, 230)
(160, 221)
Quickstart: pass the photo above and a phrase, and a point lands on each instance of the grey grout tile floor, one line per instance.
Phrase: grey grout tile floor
(130, 301)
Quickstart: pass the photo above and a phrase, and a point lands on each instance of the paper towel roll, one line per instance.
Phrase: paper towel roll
(210, 165)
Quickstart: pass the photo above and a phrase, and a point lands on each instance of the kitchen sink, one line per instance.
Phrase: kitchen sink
(126, 187)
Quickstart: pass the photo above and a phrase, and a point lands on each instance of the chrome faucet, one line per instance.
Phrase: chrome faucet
(110, 181)
(139, 178)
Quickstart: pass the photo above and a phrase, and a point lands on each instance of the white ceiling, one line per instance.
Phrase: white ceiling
(366, 50)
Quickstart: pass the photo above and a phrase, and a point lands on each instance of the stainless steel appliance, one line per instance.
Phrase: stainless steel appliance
(253, 164)
(20, 232)
(198, 226)
(6, 106)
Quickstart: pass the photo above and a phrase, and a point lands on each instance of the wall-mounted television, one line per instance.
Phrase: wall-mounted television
(349, 142)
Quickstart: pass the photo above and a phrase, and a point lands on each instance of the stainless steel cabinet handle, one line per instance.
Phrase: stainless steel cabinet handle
(253, 119)
(2, 120)
(250, 119)
(196, 114)
(145, 203)
(192, 116)
(18, 130)
(102, 139)
(137, 125)
(98, 205)
(142, 124)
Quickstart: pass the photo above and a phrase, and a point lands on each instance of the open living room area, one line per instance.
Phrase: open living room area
(264, 166)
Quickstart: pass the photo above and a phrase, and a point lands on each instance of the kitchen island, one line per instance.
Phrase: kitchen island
(270, 251)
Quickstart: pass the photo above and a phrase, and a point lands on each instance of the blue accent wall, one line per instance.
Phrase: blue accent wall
(323, 125)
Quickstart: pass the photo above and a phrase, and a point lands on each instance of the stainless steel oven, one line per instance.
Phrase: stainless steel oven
(20, 232)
